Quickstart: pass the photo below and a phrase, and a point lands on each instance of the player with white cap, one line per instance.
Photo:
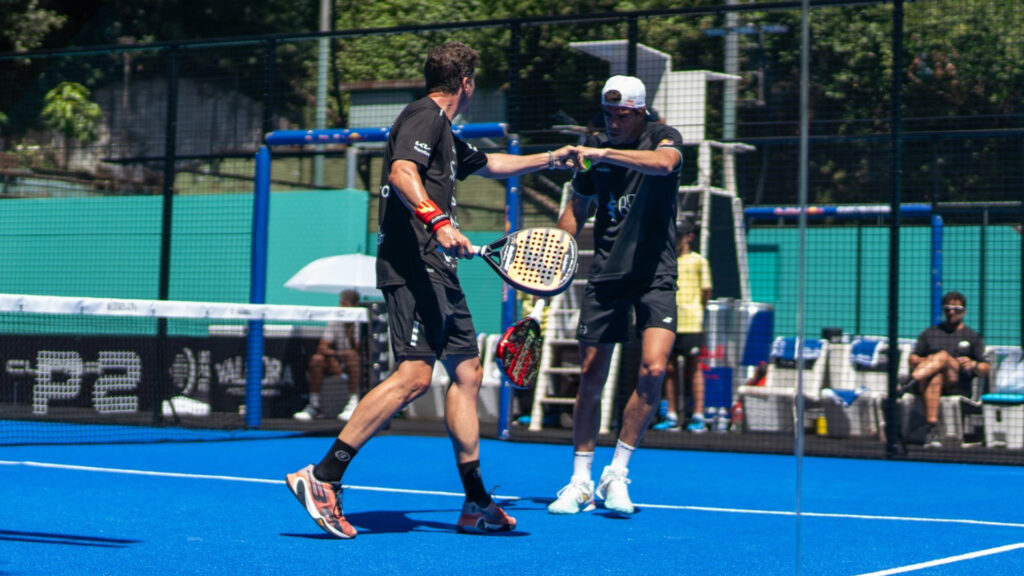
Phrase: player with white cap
(634, 181)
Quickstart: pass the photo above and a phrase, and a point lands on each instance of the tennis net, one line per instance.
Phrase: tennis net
(116, 370)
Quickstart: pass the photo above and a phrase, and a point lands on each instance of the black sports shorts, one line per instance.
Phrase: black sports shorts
(604, 312)
(689, 344)
(429, 320)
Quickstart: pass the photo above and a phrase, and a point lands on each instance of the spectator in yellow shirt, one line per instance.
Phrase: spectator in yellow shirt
(691, 297)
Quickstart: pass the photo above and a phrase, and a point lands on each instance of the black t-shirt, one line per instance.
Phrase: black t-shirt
(635, 225)
(406, 251)
(963, 342)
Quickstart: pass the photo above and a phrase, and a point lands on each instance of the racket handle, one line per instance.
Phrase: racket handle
(538, 309)
(474, 250)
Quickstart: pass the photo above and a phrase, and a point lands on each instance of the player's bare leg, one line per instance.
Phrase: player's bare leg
(460, 407)
(318, 487)
(641, 407)
(479, 513)
(643, 403)
(410, 381)
(595, 361)
(578, 495)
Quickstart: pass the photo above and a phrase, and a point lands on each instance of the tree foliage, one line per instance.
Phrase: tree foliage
(25, 24)
(960, 64)
(69, 110)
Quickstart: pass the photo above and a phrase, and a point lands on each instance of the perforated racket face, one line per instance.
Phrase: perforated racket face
(540, 260)
(519, 353)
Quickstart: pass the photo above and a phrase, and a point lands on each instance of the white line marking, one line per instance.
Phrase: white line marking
(507, 497)
(836, 515)
(228, 478)
(949, 560)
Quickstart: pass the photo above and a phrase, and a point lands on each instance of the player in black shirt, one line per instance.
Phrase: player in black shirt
(634, 182)
(945, 359)
(418, 246)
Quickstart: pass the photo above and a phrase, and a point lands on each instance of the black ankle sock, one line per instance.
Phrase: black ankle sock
(469, 472)
(333, 466)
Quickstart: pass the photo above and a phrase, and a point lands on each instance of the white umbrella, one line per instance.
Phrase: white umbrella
(333, 274)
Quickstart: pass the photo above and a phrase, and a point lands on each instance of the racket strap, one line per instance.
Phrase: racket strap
(431, 216)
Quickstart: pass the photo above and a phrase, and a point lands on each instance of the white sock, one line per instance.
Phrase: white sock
(314, 399)
(672, 416)
(623, 452)
(582, 464)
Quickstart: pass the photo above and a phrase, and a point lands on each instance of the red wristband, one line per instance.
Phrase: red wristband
(432, 216)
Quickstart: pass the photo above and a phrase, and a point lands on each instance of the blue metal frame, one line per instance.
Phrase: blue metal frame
(355, 135)
(854, 212)
(513, 207)
(257, 289)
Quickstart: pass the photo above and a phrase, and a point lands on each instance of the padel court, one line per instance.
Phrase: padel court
(221, 507)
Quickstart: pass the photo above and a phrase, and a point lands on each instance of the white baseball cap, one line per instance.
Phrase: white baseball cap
(624, 92)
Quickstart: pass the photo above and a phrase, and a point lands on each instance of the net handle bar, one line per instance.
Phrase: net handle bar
(26, 303)
(356, 135)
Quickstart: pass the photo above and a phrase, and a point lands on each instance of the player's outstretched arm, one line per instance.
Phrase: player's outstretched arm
(660, 162)
(501, 165)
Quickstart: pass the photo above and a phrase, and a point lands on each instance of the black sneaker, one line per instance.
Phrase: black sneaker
(905, 384)
(931, 439)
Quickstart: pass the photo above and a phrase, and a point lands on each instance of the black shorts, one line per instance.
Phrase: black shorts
(604, 312)
(429, 320)
(689, 344)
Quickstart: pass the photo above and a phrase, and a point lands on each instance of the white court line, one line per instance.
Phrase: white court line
(949, 560)
(220, 477)
(836, 515)
(506, 497)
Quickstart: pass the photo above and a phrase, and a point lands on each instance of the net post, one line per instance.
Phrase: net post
(257, 289)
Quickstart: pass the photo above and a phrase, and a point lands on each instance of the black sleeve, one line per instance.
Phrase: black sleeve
(667, 136)
(470, 159)
(417, 136)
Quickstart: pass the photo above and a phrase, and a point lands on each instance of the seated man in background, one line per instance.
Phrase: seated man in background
(337, 352)
(945, 359)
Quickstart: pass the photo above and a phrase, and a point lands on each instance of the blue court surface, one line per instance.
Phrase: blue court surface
(222, 508)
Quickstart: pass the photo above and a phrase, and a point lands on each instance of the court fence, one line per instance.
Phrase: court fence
(912, 104)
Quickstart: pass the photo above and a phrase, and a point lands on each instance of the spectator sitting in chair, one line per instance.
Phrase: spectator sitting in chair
(945, 359)
(337, 352)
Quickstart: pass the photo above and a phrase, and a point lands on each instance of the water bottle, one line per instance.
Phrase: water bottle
(722, 420)
(736, 424)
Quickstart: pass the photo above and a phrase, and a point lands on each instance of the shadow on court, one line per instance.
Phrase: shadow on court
(64, 539)
(397, 522)
(543, 501)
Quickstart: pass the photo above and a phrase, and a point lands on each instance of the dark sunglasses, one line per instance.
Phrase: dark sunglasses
(953, 308)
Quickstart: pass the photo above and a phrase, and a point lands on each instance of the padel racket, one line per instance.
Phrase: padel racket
(538, 261)
(519, 349)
